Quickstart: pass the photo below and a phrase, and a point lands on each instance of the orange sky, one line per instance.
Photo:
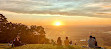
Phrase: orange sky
(68, 12)
(46, 19)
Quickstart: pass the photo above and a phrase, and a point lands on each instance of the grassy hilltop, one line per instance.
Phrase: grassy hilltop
(43, 46)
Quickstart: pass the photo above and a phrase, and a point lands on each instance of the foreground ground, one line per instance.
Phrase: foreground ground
(42, 46)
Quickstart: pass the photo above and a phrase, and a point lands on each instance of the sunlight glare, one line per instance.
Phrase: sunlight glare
(57, 23)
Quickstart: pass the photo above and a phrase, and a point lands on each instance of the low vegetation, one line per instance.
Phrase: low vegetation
(43, 46)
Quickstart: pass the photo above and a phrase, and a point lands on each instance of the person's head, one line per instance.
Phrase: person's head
(93, 37)
(90, 36)
(66, 37)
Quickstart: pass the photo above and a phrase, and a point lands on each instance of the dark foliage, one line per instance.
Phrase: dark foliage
(28, 34)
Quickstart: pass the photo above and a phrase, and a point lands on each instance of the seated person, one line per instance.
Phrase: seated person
(96, 45)
(17, 42)
(66, 42)
(91, 42)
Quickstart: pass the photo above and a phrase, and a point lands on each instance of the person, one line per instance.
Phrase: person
(70, 43)
(91, 42)
(52, 42)
(96, 45)
(75, 42)
(66, 42)
(59, 41)
(17, 42)
(95, 41)
(10, 43)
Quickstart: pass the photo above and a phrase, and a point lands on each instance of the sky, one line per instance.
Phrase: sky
(68, 12)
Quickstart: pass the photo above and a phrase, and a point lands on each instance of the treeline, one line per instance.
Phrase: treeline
(28, 34)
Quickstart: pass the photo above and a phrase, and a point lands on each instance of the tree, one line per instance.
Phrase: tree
(3, 19)
(28, 34)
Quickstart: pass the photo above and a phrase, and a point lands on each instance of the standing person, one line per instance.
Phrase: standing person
(91, 42)
(59, 41)
(66, 42)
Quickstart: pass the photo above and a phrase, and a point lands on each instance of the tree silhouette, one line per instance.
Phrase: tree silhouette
(3, 19)
(28, 34)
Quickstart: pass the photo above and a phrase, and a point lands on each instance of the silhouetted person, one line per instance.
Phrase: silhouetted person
(17, 42)
(59, 41)
(91, 42)
(52, 42)
(75, 42)
(70, 43)
(66, 41)
(10, 43)
(96, 45)
(95, 42)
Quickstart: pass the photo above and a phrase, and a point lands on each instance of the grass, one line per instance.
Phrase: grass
(4, 46)
(46, 46)
(42, 46)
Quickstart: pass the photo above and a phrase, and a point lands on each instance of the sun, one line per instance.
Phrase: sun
(57, 23)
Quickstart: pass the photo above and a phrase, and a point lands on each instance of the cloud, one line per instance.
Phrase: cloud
(103, 13)
(92, 8)
(107, 6)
